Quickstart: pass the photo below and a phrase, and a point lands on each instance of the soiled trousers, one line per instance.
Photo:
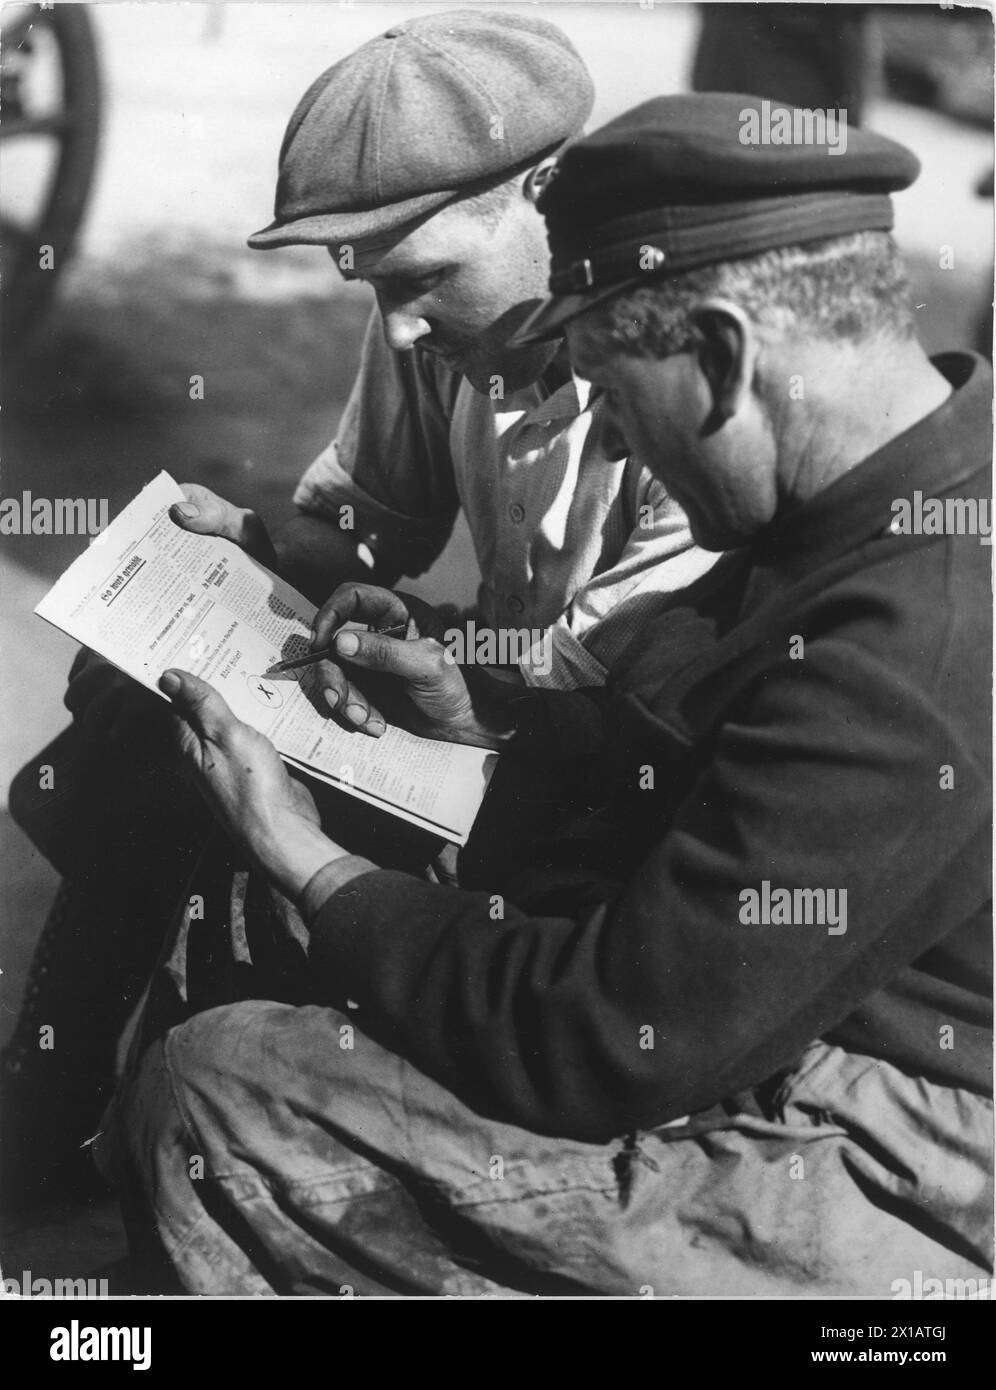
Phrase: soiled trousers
(265, 1147)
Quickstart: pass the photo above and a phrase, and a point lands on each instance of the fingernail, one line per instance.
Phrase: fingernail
(356, 713)
(170, 682)
(187, 509)
(331, 698)
(348, 644)
(376, 727)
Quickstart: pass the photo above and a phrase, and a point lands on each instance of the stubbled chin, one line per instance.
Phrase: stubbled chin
(705, 532)
(515, 369)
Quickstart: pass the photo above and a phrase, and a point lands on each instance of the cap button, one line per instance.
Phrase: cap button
(395, 31)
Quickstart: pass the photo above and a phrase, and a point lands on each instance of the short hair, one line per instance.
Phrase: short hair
(491, 198)
(490, 204)
(848, 288)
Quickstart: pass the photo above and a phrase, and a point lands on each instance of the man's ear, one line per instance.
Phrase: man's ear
(726, 349)
(538, 178)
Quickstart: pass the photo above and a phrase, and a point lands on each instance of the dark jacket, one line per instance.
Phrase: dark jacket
(626, 984)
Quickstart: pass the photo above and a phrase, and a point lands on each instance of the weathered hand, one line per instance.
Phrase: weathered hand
(269, 816)
(440, 704)
(207, 514)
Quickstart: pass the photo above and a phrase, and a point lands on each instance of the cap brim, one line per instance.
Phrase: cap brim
(334, 228)
(555, 313)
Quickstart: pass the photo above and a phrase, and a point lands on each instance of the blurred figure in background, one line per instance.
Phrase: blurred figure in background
(814, 56)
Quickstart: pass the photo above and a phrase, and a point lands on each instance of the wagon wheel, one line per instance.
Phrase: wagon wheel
(49, 126)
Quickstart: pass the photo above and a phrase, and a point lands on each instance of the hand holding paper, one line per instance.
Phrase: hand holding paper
(270, 817)
(148, 595)
(204, 513)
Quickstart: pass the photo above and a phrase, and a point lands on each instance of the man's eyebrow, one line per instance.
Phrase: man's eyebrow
(411, 274)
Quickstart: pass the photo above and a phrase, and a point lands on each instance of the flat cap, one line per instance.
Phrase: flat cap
(686, 181)
(419, 115)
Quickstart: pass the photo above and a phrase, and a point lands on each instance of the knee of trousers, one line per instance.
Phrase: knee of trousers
(261, 1088)
(30, 795)
(219, 1091)
(49, 800)
(144, 1131)
(158, 1108)
(22, 795)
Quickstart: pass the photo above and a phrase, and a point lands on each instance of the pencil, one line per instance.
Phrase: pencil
(328, 653)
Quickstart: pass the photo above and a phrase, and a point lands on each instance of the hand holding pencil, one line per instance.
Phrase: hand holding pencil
(390, 623)
(328, 653)
(404, 640)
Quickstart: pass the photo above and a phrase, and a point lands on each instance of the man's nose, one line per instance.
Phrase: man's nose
(402, 329)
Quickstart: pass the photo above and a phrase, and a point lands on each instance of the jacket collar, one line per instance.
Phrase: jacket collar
(938, 453)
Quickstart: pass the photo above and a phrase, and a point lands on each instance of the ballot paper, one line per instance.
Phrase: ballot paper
(148, 595)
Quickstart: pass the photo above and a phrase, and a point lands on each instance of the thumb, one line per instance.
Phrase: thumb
(421, 662)
(207, 514)
(196, 702)
(204, 512)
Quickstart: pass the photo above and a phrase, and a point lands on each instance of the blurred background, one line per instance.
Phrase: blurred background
(140, 141)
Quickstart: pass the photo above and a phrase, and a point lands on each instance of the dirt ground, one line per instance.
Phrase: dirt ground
(163, 286)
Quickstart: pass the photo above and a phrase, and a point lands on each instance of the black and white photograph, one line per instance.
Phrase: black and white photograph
(497, 685)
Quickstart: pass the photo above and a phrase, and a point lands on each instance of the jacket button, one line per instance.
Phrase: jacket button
(515, 604)
(517, 512)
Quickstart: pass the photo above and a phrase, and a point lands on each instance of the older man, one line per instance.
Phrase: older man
(415, 162)
(717, 1018)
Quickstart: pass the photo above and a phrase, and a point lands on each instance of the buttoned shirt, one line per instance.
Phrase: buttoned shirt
(568, 538)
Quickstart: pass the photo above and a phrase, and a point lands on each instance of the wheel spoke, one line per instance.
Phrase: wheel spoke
(15, 234)
(53, 123)
(13, 34)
